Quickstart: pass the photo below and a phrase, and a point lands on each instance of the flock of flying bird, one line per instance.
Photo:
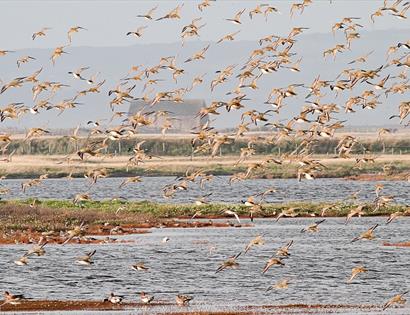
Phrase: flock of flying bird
(273, 54)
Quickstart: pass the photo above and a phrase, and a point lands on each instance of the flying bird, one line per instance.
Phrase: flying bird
(237, 17)
(148, 15)
(72, 30)
(138, 32)
(40, 33)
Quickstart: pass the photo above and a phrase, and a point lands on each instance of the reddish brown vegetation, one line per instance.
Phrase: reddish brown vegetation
(402, 244)
(41, 305)
(65, 306)
(379, 177)
(25, 224)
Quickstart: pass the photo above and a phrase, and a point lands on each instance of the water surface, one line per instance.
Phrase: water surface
(318, 267)
(326, 189)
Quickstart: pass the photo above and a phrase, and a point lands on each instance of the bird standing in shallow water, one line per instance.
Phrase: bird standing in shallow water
(145, 298)
(114, 299)
(13, 299)
(183, 300)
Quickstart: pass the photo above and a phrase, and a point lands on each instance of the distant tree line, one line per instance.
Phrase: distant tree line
(183, 147)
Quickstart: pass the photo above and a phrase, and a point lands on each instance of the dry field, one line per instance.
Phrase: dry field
(32, 165)
(57, 165)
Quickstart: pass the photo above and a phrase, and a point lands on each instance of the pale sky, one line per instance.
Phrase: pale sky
(108, 21)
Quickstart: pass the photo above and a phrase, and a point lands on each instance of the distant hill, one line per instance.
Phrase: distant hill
(115, 62)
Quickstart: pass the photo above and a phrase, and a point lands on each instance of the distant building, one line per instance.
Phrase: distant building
(183, 116)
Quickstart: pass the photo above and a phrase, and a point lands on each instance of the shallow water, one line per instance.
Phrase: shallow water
(318, 268)
(328, 189)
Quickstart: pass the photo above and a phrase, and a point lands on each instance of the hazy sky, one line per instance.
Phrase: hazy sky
(108, 21)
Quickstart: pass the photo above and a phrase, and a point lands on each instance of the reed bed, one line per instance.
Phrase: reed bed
(181, 146)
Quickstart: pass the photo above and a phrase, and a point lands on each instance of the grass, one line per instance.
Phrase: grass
(60, 215)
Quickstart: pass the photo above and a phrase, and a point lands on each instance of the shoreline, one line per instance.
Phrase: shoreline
(85, 305)
(25, 222)
(403, 176)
